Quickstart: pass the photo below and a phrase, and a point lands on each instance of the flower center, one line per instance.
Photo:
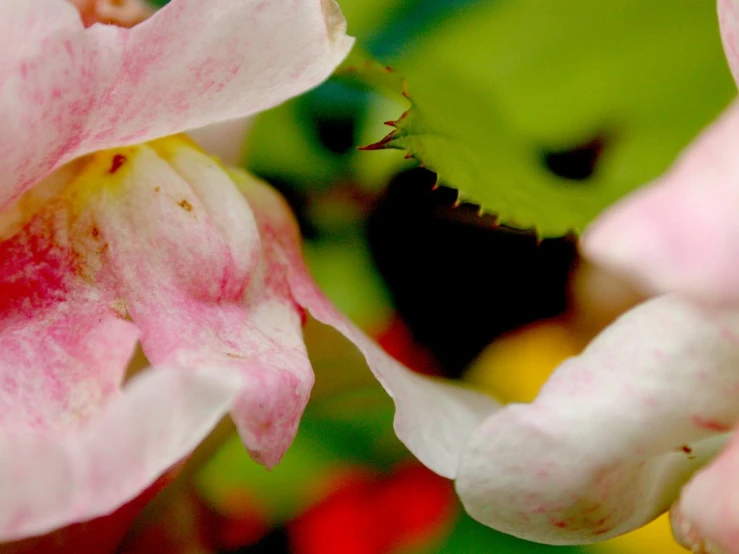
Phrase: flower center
(124, 13)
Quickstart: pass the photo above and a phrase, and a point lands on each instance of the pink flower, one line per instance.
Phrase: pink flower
(111, 235)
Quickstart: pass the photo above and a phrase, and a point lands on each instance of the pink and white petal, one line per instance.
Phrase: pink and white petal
(728, 18)
(72, 445)
(433, 418)
(63, 348)
(51, 480)
(681, 233)
(707, 514)
(67, 91)
(614, 434)
(182, 245)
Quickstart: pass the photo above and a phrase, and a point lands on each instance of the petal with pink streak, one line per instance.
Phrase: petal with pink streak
(615, 432)
(183, 248)
(66, 91)
(63, 348)
(432, 418)
(73, 445)
(681, 233)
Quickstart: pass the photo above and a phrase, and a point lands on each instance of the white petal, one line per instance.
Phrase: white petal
(50, 481)
(614, 434)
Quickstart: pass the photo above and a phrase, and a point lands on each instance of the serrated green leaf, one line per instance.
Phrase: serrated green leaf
(497, 88)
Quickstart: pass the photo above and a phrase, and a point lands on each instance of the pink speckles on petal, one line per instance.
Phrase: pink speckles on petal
(607, 458)
(153, 242)
(63, 350)
(67, 91)
(204, 288)
(73, 444)
(707, 424)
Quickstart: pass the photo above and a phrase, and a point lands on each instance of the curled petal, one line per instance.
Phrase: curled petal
(432, 418)
(66, 91)
(708, 510)
(681, 233)
(51, 480)
(614, 434)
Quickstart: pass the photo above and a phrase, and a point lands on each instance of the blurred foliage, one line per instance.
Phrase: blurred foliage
(341, 262)
(336, 437)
